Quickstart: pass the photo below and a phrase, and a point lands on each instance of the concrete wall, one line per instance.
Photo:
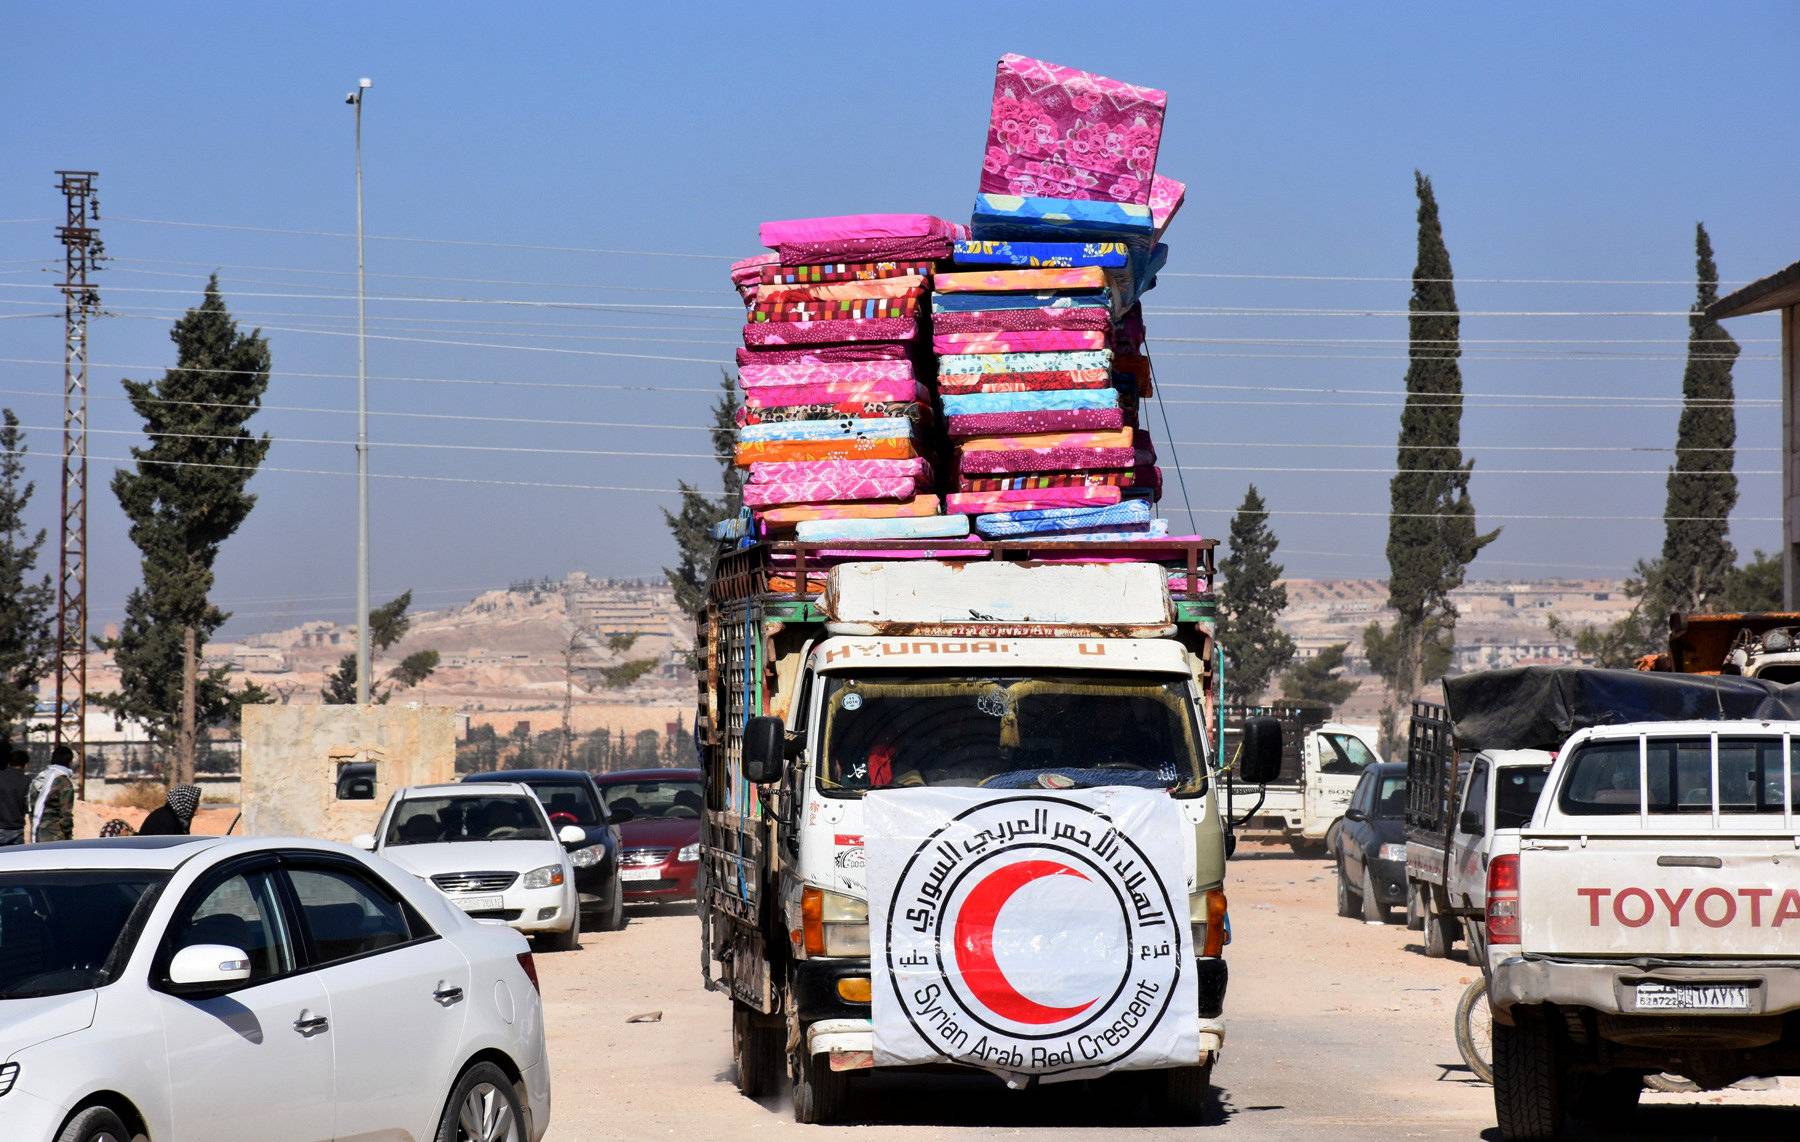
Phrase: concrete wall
(292, 754)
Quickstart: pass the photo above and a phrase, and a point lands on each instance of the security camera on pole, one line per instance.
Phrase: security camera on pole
(355, 99)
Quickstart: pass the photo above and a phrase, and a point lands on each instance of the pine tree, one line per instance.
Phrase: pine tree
(1431, 524)
(691, 524)
(27, 601)
(1317, 680)
(186, 496)
(1250, 601)
(1697, 558)
(388, 624)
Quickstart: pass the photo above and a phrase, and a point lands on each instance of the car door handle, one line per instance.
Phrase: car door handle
(448, 995)
(311, 1025)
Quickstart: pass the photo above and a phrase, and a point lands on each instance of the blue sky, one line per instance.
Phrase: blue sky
(1565, 143)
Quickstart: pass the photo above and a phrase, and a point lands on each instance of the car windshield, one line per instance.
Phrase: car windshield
(63, 931)
(1390, 797)
(440, 820)
(566, 802)
(1516, 792)
(666, 800)
(1053, 730)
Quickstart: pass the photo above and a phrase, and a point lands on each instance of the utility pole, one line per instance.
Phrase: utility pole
(568, 712)
(355, 99)
(81, 250)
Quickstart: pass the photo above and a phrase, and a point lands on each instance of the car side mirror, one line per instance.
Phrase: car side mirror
(572, 835)
(1355, 815)
(1469, 822)
(765, 742)
(200, 966)
(1259, 759)
(365, 842)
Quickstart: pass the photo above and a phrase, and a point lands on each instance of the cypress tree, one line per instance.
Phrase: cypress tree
(1697, 558)
(1431, 524)
(27, 600)
(691, 524)
(1250, 600)
(185, 496)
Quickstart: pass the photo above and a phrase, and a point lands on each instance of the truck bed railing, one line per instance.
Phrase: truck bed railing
(1430, 768)
(752, 573)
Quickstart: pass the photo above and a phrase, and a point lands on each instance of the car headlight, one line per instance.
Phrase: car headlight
(549, 876)
(1391, 852)
(689, 853)
(834, 924)
(588, 857)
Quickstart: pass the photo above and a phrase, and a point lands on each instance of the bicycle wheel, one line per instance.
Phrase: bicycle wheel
(1475, 1030)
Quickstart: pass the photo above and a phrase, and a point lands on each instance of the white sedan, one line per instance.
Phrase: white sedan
(199, 988)
(491, 850)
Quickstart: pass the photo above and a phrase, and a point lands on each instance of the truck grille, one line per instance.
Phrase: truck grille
(641, 857)
(474, 881)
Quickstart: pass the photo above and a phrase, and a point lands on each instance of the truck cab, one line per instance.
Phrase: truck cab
(1647, 920)
(1333, 758)
(912, 842)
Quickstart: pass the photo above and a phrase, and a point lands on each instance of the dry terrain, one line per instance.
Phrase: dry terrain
(1338, 1029)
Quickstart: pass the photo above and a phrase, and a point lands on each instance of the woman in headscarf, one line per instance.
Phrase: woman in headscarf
(175, 816)
(116, 828)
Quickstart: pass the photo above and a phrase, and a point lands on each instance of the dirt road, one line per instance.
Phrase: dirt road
(1338, 1029)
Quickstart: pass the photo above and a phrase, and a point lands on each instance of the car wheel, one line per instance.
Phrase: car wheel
(1346, 901)
(1333, 836)
(483, 1107)
(1529, 1083)
(1373, 910)
(95, 1124)
(614, 918)
(1187, 1094)
(756, 1051)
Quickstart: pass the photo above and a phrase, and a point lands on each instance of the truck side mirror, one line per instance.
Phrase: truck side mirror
(765, 740)
(1260, 758)
(1469, 822)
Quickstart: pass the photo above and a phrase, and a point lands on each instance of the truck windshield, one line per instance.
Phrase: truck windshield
(1603, 776)
(1055, 731)
(1516, 790)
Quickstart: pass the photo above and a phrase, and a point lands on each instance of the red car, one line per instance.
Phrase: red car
(657, 812)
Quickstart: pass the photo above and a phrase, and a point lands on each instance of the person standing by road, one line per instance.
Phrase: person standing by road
(13, 788)
(175, 816)
(53, 799)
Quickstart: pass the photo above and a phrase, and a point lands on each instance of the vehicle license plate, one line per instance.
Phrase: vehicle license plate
(640, 873)
(478, 903)
(1692, 997)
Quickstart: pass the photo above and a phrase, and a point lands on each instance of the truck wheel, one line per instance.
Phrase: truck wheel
(1415, 911)
(1373, 910)
(819, 1092)
(1346, 901)
(1187, 1098)
(1530, 1101)
(756, 1051)
(1438, 933)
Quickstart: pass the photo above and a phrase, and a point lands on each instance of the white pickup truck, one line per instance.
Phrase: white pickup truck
(1646, 921)
(1306, 808)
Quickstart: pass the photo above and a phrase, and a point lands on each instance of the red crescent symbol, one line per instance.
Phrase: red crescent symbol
(975, 944)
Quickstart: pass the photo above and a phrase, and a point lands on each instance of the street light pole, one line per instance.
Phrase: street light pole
(355, 99)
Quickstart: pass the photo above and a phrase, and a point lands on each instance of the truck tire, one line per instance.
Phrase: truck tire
(819, 1092)
(1346, 900)
(1373, 910)
(1415, 909)
(756, 1051)
(1439, 935)
(1187, 1095)
(1530, 1085)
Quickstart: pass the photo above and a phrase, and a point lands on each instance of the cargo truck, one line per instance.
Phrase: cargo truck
(965, 810)
(1321, 762)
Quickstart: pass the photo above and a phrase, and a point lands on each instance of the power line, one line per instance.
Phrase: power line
(426, 241)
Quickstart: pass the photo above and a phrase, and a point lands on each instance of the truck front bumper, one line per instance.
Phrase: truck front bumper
(1773, 987)
(844, 1029)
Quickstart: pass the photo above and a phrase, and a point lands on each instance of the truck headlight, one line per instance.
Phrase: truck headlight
(689, 853)
(833, 924)
(588, 857)
(549, 876)
(1391, 852)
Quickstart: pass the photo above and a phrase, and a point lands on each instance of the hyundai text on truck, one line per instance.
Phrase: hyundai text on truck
(966, 811)
(1647, 920)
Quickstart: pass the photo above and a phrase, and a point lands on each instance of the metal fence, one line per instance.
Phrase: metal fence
(146, 761)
